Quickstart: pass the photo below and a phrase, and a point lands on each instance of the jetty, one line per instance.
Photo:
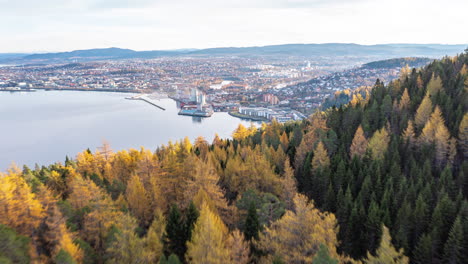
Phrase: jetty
(146, 99)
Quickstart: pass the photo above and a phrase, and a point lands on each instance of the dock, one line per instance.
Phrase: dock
(146, 99)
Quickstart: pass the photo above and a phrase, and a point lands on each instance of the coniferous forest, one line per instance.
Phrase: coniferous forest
(382, 179)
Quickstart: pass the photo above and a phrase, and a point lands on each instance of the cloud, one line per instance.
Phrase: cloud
(53, 25)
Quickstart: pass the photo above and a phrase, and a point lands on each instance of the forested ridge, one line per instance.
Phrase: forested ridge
(383, 179)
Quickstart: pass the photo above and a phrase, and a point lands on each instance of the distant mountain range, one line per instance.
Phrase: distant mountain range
(303, 50)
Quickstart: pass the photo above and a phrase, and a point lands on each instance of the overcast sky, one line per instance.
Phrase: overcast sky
(62, 25)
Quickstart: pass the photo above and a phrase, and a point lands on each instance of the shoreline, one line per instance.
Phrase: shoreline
(91, 90)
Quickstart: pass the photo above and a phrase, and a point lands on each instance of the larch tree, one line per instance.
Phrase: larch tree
(289, 185)
(359, 144)
(138, 200)
(463, 135)
(240, 133)
(409, 135)
(405, 101)
(154, 238)
(423, 112)
(297, 236)
(208, 243)
(19, 206)
(317, 128)
(429, 130)
(239, 248)
(378, 144)
(128, 247)
(435, 85)
(320, 159)
(284, 140)
(386, 253)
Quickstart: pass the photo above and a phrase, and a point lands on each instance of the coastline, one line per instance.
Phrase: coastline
(90, 90)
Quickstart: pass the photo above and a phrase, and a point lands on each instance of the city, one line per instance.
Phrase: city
(258, 88)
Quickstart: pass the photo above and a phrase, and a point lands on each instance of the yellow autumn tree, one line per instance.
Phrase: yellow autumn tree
(202, 187)
(386, 253)
(284, 140)
(19, 207)
(127, 247)
(208, 243)
(297, 236)
(154, 238)
(240, 133)
(138, 200)
(463, 135)
(53, 233)
(429, 129)
(435, 85)
(423, 112)
(289, 185)
(318, 126)
(359, 145)
(378, 144)
(320, 159)
(409, 134)
(405, 100)
(239, 249)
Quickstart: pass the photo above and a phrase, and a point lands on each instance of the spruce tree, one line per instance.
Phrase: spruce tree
(252, 224)
(454, 248)
(175, 233)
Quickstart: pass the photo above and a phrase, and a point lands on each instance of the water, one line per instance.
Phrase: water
(44, 126)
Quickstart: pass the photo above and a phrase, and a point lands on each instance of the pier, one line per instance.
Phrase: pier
(146, 99)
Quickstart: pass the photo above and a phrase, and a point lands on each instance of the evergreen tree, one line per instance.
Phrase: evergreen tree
(454, 248)
(175, 233)
(252, 225)
(323, 257)
(386, 253)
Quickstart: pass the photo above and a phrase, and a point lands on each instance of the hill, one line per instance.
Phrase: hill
(303, 50)
(398, 62)
(358, 182)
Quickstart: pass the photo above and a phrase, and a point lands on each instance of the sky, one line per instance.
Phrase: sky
(64, 25)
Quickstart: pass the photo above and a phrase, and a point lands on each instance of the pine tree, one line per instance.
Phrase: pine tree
(386, 253)
(359, 145)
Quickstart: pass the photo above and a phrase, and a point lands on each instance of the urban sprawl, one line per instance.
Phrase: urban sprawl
(260, 89)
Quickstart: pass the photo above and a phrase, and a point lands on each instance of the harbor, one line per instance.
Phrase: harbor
(146, 99)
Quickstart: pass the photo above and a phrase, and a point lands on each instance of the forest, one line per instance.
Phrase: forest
(381, 179)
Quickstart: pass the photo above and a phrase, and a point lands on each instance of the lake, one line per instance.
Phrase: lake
(44, 126)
